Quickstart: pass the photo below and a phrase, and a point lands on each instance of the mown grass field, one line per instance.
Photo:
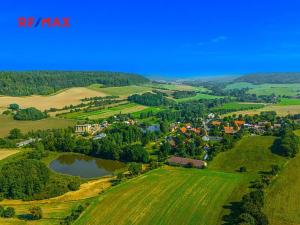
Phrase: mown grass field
(56, 100)
(239, 106)
(104, 113)
(7, 123)
(282, 198)
(253, 152)
(123, 92)
(164, 196)
(197, 97)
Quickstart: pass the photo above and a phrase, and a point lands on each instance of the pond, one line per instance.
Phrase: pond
(84, 166)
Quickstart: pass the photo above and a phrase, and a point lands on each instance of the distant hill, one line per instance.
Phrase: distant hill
(46, 82)
(273, 78)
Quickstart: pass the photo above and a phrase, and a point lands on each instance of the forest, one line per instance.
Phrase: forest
(25, 83)
(272, 78)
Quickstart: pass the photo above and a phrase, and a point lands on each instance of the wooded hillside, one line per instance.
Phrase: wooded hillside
(46, 82)
(273, 78)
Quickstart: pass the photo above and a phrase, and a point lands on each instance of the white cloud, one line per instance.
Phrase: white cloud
(219, 39)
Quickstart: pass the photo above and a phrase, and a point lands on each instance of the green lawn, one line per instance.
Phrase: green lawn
(7, 123)
(165, 196)
(239, 106)
(104, 113)
(253, 152)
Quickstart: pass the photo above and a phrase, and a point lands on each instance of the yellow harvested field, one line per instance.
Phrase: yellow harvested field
(280, 110)
(58, 100)
(87, 190)
(4, 153)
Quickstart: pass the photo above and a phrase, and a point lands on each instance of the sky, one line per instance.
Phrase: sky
(154, 37)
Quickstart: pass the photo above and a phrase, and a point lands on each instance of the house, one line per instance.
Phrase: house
(183, 129)
(211, 116)
(229, 130)
(25, 143)
(99, 136)
(216, 123)
(87, 128)
(239, 123)
(196, 130)
(174, 160)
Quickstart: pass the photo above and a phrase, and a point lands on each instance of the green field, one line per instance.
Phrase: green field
(253, 152)
(288, 101)
(283, 197)
(197, 97)
(239, 106)
(7, 123)
(124, 91)
(164, 196)
(104, 113)
(267, 89)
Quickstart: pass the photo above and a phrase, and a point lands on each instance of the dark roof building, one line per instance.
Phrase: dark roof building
(186, 161)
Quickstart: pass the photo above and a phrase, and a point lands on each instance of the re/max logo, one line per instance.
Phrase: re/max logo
(32, 22)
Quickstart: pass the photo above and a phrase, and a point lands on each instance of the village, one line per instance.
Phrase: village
(212, 130)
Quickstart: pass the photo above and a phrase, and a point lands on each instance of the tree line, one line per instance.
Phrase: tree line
(22, 83)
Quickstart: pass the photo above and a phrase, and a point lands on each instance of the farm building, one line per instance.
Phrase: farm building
(174, 160)
(87, 128)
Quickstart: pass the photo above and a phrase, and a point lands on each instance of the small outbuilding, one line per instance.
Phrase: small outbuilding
(174, 160)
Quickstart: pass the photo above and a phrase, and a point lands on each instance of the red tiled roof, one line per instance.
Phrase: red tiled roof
(216, 123)
(228, 130)
(239, 122)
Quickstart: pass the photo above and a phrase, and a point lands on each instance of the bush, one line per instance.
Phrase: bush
(74, 185)
(9, 212)
(36, 212)
(30, 114)
(243, 169)
(1, 210)
(14, 106)
(135, 168)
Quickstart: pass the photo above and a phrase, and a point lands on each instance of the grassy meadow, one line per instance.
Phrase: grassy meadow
(239, 106)
(253, 152)
(7, 123)
(282, 198)
(164, 196)
(267, 89)
(197, 97)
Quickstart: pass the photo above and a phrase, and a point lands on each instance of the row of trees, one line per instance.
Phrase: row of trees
(122, 142)
(183, 94)
(150, 99)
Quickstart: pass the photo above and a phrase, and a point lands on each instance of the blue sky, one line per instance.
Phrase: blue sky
(157, 37)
